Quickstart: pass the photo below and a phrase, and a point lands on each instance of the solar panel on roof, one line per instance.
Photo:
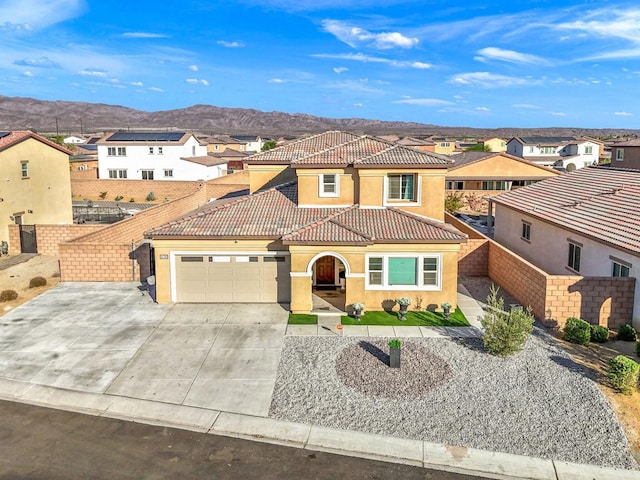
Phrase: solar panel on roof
(4, 134)
(145, 137)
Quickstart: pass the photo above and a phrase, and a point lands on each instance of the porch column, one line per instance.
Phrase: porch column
(301, 301)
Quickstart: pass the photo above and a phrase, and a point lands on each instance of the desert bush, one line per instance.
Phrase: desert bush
(505, 333)
(599, 333)
(577, 330)
(453, 202)
(37, 282)
(151, 197)
(623, 373)
(102, 195)
(627, 333)
(131, 200)
(118, 198)
(8, 295)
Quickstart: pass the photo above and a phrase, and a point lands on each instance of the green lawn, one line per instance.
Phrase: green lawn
(424, 319)
(302, 319)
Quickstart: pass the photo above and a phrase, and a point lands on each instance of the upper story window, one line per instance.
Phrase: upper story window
(117, 151)
(620, 154)
(575, 252)
(445, 144)
(160, 152)
(328, 185)
(588, 150)
(147, 174)
(168, 172)
(151, 150)
(620, 270)
(193, 150)
(24, 169)
(497, 185)
(401, 187)
(117, 173)
(532, 149)
(548, 150)
(526, 231)
(451, 185)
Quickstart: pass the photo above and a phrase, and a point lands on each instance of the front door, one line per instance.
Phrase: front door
(28, 243)
(325, 271)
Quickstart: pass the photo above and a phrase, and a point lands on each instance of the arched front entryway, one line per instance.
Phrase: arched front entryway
(328, 275)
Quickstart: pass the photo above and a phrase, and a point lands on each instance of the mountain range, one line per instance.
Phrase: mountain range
(65, 117)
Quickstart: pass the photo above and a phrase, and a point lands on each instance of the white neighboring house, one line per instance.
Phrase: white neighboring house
(570, 153)
(253, 143)
(73, 139)
(154, 156)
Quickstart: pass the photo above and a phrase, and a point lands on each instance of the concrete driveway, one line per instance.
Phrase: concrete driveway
(111, 338)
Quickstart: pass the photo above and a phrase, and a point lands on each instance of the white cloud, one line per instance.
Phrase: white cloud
(623, 114)
(143, 35)
(526, 105)
(490, 80)
(358, 105)
(350, 86)
(96, 72)
(277, 80)
(359, 57)
(226, 44)
(356, 36)
(510, 56)
(557, 114)
(192, 81)
(137, 84)
(41, 62)
(425, 102)
(483, 109)
(193, 68)
(421, 65)
(27, 73)
(204, 82)
(196, 81)
(340, 69)
(28, 15)
(156, 89)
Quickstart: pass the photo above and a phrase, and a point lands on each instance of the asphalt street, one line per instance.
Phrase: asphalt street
(41, 443)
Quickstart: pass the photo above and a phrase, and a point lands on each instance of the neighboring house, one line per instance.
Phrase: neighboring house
(489, 172)
(570, 153)
(331, 203)
(584, 223)
(443, 145)
(233, 158)
(252, 143)
(626, 154)
(494, 144)
(220, 143)
(417, 144)
(74, 140)
(151, 156)
(35, 184)
(205, 167)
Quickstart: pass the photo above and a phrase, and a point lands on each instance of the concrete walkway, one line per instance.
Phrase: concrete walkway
(107, 349)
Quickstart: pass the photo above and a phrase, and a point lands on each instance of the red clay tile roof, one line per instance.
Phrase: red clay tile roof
(628, 143)
(18, 136)
(206, 160)
(598, 202)
(466, 158)
(344, 149)
(274, 213)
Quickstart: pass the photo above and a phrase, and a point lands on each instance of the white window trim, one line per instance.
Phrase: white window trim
(620, 154)
(399, 203)
(420, 274)
(323, 194)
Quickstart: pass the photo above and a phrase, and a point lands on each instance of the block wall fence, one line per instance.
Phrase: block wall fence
(606, 301)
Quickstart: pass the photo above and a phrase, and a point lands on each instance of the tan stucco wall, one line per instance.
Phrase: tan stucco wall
(301, 257)
(500, 166)
(309, 187)
(47, 191)
(260, 175)
(496, 144)
(371, 191)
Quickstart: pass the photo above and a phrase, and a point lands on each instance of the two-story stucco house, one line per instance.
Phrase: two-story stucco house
(570, 153)
(583, 223)
(156, 156)
(331, 203)
(36, 185)
(626, 154)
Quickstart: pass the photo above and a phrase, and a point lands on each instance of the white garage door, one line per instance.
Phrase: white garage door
(235, 278)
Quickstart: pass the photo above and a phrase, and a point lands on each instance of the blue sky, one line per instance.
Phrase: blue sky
(533, 63)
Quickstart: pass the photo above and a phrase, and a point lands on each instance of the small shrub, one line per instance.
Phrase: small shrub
(8, 295)
(103, 195)
(118, 198)
(395, 343)
(623, 373)
(37, 282)
(453, 202)
(627, 333)
(505, 333)
(599, 333)
(151, 197)
(577, 331)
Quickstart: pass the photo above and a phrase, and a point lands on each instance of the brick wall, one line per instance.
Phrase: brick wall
(14, 239)
(89, 173)
(90, 188)
(48, 237)
(605, 301)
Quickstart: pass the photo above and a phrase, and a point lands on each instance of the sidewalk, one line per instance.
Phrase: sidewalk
(174, 330)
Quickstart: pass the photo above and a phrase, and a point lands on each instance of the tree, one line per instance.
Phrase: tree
(480, 147)
(269, 145)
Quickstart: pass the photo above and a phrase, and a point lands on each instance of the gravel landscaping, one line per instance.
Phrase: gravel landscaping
(537, 402)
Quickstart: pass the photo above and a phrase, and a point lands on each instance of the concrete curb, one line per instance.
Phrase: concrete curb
(463, 460)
